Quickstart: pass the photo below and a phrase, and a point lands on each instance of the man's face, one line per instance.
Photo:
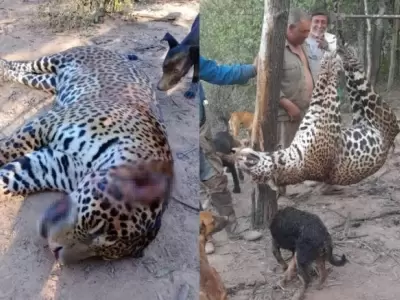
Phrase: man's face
(297, 33)
(319, 25)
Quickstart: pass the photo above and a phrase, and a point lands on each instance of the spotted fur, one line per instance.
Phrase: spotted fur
(322, 149)
(105, 122)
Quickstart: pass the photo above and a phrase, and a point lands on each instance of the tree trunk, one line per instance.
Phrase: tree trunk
(398, 59)
(393, 48)
(371, 17)
(361, 36)
(270, 61)
(368, 42)
(377, 44)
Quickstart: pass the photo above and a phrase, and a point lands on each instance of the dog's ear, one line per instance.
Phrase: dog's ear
(202, 228)
(194, 52)
(172, 42)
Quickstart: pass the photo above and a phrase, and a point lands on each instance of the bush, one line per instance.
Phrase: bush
(230, 33)
(63, 15)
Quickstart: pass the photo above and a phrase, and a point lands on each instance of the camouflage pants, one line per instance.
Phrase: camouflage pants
(214, 183)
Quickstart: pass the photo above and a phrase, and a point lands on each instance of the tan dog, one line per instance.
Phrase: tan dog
(211, 285)
(243, 118)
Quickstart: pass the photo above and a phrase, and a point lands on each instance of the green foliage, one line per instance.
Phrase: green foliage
(230, 34)
(231, 31)
(63, 15)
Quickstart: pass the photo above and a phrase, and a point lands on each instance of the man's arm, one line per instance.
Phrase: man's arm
(283, 101)
(213, 73)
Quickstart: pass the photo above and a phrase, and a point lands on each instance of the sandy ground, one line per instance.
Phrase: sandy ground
(169, 269)
(249, 270)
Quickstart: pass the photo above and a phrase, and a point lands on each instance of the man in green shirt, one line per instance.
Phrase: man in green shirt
(297, 80)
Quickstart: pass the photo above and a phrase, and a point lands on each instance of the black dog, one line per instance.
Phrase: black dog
(306, 236)
(223, 143)
(180, 58)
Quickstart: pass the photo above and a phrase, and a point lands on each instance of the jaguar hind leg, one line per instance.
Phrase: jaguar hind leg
(44, 64)
(43, 82)
(41, 170)
(367, 105)
(40, 73)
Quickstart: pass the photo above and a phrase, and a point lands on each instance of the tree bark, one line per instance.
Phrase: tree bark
(361, 36)
(368, 42)
(398, 60)
(393, 48)
(270, 61)
(377, 44)
(377, 16)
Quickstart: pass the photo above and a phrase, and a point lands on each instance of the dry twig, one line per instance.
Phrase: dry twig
(363, 219)
(347, 225)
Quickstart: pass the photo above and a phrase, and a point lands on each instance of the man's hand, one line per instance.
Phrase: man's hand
(255, 62)
(292, 110)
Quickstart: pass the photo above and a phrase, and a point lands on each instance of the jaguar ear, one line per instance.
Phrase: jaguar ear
(143, 184)
(172, 42)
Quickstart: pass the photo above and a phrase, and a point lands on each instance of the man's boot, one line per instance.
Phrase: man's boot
(222, 201)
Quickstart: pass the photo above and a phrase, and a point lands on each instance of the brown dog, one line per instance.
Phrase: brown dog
(243, 118)
(211, 285)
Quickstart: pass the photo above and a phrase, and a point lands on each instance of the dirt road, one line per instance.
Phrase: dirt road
(372, 247)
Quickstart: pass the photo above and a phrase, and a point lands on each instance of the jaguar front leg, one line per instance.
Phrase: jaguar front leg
(42, 170)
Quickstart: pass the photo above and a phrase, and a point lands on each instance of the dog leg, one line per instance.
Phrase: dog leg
(322, 272)
(249, 133)
(289, 274)
(304, 278)
(276, 251)
(240, 174)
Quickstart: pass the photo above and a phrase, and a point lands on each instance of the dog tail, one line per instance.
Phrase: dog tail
(334, 261)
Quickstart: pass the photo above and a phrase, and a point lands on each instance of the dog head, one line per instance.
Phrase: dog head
(177, 63)
(210, 223)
